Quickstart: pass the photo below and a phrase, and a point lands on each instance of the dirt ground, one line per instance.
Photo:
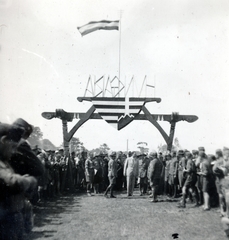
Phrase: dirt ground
(81, 217)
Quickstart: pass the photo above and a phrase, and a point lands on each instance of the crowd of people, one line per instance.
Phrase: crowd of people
(29, 176)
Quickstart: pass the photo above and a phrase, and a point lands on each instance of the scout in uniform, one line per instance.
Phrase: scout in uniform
(142, 175)
(112, 174)
(154, 174)
(190, 182)
(199, 183)
(181, 166)
(220, 169)
(173, 175)
(89, 173)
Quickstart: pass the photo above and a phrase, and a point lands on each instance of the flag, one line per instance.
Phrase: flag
(100, 25)
(118, 112)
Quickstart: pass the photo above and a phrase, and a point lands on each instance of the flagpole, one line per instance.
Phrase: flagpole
(119, 67)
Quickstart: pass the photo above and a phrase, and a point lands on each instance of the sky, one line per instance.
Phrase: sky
(181, 45)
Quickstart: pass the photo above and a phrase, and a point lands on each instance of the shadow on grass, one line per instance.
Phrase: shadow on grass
(47, 214)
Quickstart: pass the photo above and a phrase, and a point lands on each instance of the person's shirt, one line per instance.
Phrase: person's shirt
(173, 166)
(143, 167)
(220, 168)
(88, 164)
(198, 162)
(167, 168)
(190, 167)
(182, 164)
(206, 168)
(131, 166)
(155, 169)
(112, 168)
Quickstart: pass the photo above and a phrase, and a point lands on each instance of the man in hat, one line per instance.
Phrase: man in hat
(190, 182)
(167, 182)
(154, 174)
(173, 174)
(220, 170)
(225, 186)
(112, 174)
(130, 171)
(13, 186)
(199, 183)
(89, 172)
(181, 167)
(142, 175)
(24, 161)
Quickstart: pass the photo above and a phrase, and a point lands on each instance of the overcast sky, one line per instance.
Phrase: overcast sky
(182, 45)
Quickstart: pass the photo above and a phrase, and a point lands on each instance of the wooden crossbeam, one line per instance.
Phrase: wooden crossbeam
(69, 116)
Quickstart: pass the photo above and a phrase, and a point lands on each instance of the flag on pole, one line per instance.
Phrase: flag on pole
(100, 25)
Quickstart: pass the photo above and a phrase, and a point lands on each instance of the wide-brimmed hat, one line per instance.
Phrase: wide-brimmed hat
(201, 149)
(27, 127)
(153, 154)
(181, 152)
(113, 154)
(12, 132)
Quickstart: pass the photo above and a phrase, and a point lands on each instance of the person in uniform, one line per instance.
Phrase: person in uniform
(190, 182)
(98, 176)
(89, 173)
(119, 180)
(206, 172)
(154, 174)
(199, 183)
(173, 175)
(130, 171)
(142, 175)
(181, 166)
(167, 184)
(12, 186)
(225, 187)
(112, 174)
(24, 161)
(219, 172)
(56, 170)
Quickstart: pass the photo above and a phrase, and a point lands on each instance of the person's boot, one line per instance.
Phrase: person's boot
(201, 198)
(196, 201)
(105, 194)
(112, 195)
(154, 195)
(174, 191)
(182, 203)
(206, 202)
(141, 190)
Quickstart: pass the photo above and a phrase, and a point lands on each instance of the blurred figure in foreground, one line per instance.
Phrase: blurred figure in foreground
(12, 186)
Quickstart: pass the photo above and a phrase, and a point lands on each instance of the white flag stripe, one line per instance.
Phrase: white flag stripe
(118, 111)
(118, 103)
(112, 103)
(115, 118)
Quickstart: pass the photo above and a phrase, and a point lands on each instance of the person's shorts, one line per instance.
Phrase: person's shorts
(155, 182)
(112, 180)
